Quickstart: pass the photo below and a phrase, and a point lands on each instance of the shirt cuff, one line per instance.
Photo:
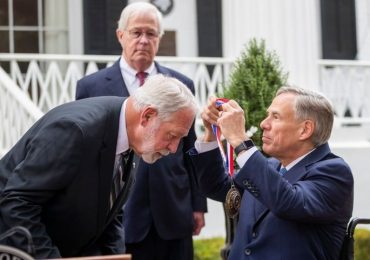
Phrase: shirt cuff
(243, 157)
(203, 147)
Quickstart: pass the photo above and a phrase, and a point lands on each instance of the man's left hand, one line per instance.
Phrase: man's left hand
(198, 222)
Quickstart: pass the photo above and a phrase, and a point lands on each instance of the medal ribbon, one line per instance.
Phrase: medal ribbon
(228, 156)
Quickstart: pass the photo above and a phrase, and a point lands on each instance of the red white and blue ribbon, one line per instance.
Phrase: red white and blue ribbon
(228, 155)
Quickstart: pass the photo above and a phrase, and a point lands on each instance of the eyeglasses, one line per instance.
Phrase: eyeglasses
(137, 34)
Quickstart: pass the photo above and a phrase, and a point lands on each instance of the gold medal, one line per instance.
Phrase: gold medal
(232, 203)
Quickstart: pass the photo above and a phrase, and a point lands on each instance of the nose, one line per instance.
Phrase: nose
(263, 124)
(172, 147)
(144, 37)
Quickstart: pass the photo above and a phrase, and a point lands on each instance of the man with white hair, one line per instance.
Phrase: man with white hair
(67, 179)
(165, 208)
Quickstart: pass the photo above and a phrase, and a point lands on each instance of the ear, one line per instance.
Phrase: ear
(119, 34)
(307, 129)
(148, 114)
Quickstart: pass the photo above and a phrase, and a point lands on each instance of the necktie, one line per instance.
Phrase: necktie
(141, 77)
(282, 171)
(120, 176)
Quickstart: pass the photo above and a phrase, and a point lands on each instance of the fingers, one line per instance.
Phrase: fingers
(210, 112)
(199, 222)
(231, 106)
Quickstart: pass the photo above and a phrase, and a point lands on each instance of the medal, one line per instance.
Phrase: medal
(233, 198)
(232, 202)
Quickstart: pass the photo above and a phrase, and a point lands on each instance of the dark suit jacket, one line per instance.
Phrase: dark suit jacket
(165, 192)
(302, 215)
(56, 180)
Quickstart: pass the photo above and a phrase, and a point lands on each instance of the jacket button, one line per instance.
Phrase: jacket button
(254, 234)
(247, 251)
(246, 182)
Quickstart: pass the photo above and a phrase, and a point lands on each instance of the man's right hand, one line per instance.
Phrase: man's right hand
(232, 123)
(210, 115)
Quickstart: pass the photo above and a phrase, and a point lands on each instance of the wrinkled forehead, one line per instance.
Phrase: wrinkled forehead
(143, 17)
(283, 103)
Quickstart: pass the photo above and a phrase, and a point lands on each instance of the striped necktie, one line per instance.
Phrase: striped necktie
(141, 77)
(119, 177)
(282, 171)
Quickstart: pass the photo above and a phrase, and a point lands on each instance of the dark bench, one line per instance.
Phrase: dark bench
(348, 249)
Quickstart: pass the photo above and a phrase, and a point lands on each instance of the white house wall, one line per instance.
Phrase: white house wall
(291, 28)
(363, 30)
(183, 20)
(75, 25)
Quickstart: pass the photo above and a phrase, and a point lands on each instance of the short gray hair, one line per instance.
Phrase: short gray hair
(168, 95)
(314, 106)
(140, 8)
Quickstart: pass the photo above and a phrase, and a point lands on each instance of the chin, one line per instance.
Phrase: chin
(151, 158)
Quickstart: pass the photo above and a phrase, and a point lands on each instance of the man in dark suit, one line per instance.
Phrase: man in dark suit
(57, 180)
(299, 214)
(164, 210)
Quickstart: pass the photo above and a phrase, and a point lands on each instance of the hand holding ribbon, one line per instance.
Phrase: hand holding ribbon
(233, 198)
(232, 123)
(228, 155)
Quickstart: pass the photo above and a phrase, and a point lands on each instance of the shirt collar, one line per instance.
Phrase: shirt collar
(129, 74)
(290, 165)
(122, 142)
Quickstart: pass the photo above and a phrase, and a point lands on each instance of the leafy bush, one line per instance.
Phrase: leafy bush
(253, 83)
(362, 244)
(208, 249)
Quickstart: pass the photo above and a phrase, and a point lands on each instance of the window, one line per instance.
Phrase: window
(33, 26)
(338, 23)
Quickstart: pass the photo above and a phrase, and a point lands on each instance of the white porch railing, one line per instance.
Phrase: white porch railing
(347, 85)
(17, 112)
(46, 81)
(50, 80)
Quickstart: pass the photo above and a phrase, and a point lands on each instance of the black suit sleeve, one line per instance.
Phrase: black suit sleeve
(199, 201)
(50, 159)
(112, 240)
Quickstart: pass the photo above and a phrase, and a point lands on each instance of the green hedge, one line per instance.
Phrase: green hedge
(362, 244)
(209, 249)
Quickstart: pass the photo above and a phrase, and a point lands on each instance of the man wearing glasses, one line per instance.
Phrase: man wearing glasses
(165, 208)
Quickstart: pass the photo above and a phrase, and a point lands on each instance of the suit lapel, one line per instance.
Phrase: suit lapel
(114, 82)
(161, 69)
(300, 169)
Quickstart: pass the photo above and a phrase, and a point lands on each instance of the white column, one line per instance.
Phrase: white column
(363, 31)
(291, 28)
(75, 27)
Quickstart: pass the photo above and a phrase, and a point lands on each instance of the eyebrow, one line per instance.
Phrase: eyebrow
(142, 29)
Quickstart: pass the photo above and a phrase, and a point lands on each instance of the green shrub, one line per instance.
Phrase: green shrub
(208, 249)
(256, 76)
(362, 244)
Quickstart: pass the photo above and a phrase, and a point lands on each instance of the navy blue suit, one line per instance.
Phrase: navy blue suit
(165, 193)
(302, 215)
